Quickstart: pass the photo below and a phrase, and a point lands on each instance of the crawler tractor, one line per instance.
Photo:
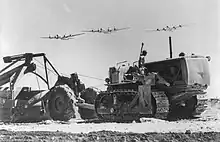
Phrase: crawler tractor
(167, 89)
(58, 102)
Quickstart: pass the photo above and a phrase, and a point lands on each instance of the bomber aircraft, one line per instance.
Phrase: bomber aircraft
(64, 37)
(94, 30)
(106, 31)
(167, 28)
(110, 30)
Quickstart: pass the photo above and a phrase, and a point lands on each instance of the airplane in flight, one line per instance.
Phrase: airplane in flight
(53, 37)
(167, 28)
(70, 36)
(106, 31)
(171, 29)
(94, 30)
(110, 30)
(50, 37)
(64, 37)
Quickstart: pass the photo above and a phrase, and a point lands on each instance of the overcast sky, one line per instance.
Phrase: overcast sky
(23, 22)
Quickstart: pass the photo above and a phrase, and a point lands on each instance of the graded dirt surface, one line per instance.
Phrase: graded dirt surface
(205, 128)
(107, 136)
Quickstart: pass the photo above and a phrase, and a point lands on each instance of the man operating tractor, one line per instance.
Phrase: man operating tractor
(146, 79)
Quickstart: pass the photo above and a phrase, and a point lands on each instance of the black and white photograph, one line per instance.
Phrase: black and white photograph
(109, 71)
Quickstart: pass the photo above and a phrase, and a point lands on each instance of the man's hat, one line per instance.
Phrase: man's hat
(181, 54)
(144, 53)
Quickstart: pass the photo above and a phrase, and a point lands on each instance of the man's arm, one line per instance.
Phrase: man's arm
(161, 80)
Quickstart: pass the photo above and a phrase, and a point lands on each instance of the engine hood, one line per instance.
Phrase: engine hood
(197, 71)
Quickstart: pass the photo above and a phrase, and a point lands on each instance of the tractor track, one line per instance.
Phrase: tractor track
(205, 128)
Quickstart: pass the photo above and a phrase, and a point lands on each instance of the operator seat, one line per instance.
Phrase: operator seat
(131, 70)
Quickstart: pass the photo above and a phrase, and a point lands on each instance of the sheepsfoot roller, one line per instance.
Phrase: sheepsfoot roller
(168, 89)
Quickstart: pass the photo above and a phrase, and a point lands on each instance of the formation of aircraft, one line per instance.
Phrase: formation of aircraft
(106, 31)
(64, 37)
(111, 30)
(167, 28)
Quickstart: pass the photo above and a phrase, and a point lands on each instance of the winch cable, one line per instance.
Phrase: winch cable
(96, 87)
(93, 87)
(91, 77)
(42, 66)
(37, 82)
(68, 75)
(64, 74)
(87, 76)
(50, 71)
(42, 102)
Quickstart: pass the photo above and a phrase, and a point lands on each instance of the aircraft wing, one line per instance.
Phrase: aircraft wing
(151, 30)
(76, 34)
(121, 29)
(157, 30)
(47, 37)
(90, 31)
(66, 38)
(180, 26)
(69, 36)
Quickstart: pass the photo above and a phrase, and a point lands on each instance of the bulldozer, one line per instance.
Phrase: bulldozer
(57, 102)
(170, 89)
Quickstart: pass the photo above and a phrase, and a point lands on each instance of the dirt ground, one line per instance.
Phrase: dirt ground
(205, 128)
(108, 136)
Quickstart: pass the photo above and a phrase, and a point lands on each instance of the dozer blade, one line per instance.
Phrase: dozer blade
(86, 111)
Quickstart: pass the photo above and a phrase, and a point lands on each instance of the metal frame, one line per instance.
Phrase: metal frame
(27, 58)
